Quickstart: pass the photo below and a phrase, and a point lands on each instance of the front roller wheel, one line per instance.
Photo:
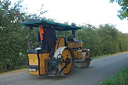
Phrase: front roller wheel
(67, 58)
(86, 63)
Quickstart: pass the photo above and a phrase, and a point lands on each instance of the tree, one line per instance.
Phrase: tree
(12, 36)
(90, 39)
(109, 39)
(123, 12)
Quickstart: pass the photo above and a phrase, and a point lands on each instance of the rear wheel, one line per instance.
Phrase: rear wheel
(67, 59)
(67, 54)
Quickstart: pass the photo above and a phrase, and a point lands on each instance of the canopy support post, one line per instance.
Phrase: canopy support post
(30, 46)
(73, 33)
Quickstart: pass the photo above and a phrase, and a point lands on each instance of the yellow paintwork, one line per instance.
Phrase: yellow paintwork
(78, 54)
(75, 53)
(42, 62)
(60, 43)
(81, 44)
(69, 67)
(74, 44)
(33, 60)
(34, 72)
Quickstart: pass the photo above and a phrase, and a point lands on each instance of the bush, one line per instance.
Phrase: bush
(103, 40)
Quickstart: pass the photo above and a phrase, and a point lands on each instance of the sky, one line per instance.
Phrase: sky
(94, 12)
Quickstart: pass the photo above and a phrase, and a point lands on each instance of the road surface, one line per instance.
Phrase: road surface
(99, 70)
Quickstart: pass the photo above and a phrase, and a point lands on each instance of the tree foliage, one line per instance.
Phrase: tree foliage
(90, 39)
(105, 39)
(12, 36)
(123, 12)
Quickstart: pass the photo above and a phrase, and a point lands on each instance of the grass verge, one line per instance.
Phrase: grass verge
(96, 57)
(120, 78)
(15, 68)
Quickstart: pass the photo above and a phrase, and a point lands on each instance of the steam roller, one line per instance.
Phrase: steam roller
(68, 51)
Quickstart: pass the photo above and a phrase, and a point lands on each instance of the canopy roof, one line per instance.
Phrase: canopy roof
(46, 24)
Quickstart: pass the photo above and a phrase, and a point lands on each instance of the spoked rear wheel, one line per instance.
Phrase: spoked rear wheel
(67, 54)
(68, 60)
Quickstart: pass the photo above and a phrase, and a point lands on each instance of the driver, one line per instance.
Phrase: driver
(50, 40)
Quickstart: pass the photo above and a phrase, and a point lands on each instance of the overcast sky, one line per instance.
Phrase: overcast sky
(94, 12)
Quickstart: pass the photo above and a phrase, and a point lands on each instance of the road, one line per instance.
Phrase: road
(99, 70)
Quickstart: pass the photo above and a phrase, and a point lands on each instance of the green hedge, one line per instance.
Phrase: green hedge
(105, 39)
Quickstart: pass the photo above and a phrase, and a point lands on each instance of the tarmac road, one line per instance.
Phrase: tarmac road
(99, 70)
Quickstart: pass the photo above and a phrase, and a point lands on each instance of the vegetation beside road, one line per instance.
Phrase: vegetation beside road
(120, 78)
(16, 68)
(97, 57)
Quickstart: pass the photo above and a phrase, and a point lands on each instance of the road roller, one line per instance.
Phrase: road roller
(68, 52)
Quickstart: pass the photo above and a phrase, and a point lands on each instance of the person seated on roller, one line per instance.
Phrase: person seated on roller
(50, 40)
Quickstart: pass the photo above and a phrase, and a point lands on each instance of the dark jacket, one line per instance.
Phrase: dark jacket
(50, 35)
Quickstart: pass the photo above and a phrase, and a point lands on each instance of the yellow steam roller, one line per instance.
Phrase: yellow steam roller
(68, 52)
